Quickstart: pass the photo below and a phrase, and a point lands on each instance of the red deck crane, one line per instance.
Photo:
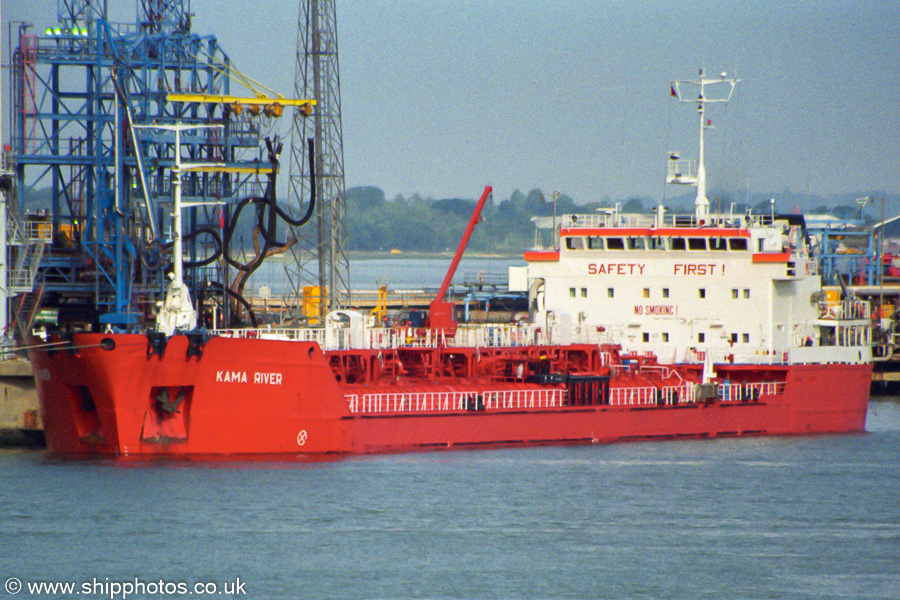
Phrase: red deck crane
(440, 312)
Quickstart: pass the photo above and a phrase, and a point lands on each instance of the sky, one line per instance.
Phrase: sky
(442, 97)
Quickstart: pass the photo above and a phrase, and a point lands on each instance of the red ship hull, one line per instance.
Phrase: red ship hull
(268, 397)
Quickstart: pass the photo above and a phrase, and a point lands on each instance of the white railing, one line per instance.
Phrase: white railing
(681, 171)
(687, 393)
(517, 399)
(411, 402)
(407, 402)
(299, 334)
(758, 390)
(669, 395)
(628, 396)
(496, 336)
(675, 394)
(545, 398)
(847, 339)
(482, 336)
(38, 231)
(853, 310)
(607, 219)
(612, 218)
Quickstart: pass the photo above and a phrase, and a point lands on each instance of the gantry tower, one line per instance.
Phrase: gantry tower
(319, 256)
(82, 88)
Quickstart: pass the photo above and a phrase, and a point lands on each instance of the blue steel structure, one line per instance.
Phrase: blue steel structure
(848, 254)
(78, 86)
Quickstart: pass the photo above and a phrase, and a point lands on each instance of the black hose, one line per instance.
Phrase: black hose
(267, 211)
(311, 148)
(218, 286)
(211, 231)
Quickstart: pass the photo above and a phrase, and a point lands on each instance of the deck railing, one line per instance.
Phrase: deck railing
(853, 310)
(611, 218)
(851, 335)
(545, 398)
(518, 399)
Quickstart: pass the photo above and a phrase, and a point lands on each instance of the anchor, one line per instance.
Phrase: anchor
(166, 404)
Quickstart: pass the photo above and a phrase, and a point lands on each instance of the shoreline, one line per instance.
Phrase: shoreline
(380, 255)
(369, 255)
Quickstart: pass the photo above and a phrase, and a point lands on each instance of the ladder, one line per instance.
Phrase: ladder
(26, 310)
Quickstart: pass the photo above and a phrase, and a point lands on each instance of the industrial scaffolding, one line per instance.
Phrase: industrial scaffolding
(82, 89)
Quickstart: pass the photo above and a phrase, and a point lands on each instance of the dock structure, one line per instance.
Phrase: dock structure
(472, 306)
(99, 252)
(362, 300)
(20, 415)
(884, 301)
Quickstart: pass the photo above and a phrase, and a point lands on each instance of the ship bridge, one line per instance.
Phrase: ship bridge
(676, 284)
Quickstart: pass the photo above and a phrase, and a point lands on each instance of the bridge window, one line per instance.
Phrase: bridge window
(636, 243)
(678, 243)
(574, 243)
(615, 244)
(737, 244)
(595, 243)
(717, 243)
(656, 243)
(696, 243)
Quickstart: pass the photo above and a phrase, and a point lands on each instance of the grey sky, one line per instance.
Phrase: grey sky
(442, 97)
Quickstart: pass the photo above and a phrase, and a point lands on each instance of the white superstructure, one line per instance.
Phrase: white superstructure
(742, 288)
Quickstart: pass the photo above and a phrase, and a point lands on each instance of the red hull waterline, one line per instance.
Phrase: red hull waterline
(270, 397)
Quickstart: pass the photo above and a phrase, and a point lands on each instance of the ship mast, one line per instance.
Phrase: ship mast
(698, 178)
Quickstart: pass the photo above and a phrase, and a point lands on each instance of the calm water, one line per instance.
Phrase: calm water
(810, 517)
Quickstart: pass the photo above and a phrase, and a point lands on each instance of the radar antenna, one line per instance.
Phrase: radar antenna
(681, 172)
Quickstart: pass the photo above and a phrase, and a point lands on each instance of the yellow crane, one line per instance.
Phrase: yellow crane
(269, 102)
(271, 107)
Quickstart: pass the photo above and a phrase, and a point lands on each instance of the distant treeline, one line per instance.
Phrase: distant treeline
(427, 225)
(374, 223)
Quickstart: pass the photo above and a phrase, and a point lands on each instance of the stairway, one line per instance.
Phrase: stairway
(28, 306)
